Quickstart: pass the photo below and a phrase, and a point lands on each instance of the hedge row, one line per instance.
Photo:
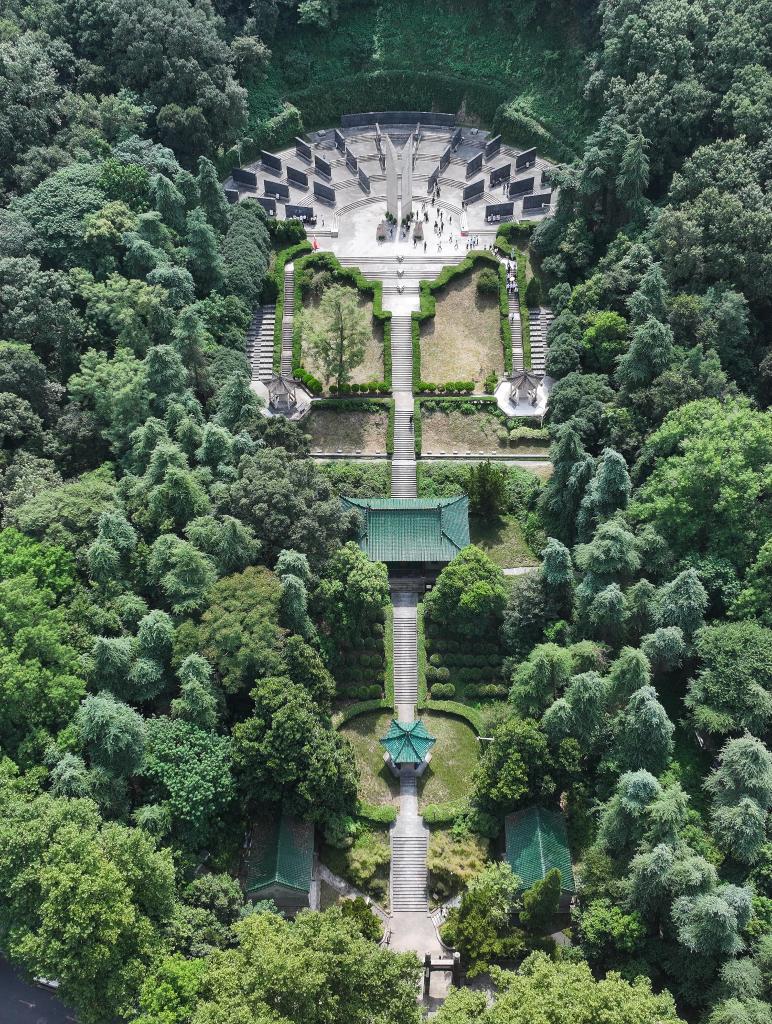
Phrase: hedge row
(417, 427)
(446, 813)
(354, 277)
(469, 715)
(355, 710)
(513, 231)
(451, 387)
(277, 276)
(389, 654)
(376, 814)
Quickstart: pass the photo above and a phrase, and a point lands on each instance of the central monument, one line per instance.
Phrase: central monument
(399, 165)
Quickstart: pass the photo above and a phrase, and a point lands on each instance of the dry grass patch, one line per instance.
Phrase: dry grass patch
(371, 368)
(463, 340)
(332, 430)
(448, 430)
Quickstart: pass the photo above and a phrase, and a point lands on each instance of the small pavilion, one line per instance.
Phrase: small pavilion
(282, 397)
(408, 743)
(413, 536)
(524, 383)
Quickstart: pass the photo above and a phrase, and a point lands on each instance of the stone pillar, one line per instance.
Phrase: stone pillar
(407, 178)
(392, 197)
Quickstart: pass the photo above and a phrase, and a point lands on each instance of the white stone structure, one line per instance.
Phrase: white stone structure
(392, 172)
(407, 178)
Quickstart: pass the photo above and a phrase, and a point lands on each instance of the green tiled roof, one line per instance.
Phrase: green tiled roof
(536, 843)
(412, 529)
(408, 742)
(282, 852)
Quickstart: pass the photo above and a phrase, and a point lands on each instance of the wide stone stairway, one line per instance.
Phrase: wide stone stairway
(403, 467)
(405, 655)
(409, 843)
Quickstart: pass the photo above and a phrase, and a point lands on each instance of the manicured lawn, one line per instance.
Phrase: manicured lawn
(332, 429)
(371, 367)
(502, 540)
(454, 756)
(463, 341)
(376, 783)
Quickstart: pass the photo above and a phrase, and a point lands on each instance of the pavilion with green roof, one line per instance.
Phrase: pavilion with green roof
(408, 743)
(536, 843)
(412, 535)
(280, 861)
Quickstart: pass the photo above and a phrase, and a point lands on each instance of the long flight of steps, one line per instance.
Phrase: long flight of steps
(260, 336)
(401, 353)
(540, 319)
(405, 653)
(409, 843)
(286, 320)
(517, 332)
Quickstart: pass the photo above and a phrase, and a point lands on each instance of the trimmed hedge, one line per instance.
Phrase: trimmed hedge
(469, 715)
(446, 813)
(389, 652)
(421, 654)
(512, 232)
(376, 814)
(428, 309)
(282, 258)
(417, 427)
(354, 277)
(362, 708)
(390, 431)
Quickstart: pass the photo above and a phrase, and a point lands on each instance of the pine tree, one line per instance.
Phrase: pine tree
(644, 737)
(168, 201)
(203, 259)
(540, 903)
(633, 176)
(649, 355)
(213, 200)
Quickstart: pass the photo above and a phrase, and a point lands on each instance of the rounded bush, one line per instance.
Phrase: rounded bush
(435, 659)
(443, 691)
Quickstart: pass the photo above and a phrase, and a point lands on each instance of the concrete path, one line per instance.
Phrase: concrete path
(403, 466)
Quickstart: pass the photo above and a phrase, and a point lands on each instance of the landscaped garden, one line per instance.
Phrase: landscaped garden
(473, 426)
(454, 756)
(369, 368)
(503, 540)
(348, 426)
(377, 785)
(463, 340)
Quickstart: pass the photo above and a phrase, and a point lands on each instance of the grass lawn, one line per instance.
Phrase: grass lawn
(371, 367)
(376, 783)
(332, 429)
(502, 540)
(463, 341)
(445, 430)
(454, 755)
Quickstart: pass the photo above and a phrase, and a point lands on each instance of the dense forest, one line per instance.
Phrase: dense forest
(178, 585)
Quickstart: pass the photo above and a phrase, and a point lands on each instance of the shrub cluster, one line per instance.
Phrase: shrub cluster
(452, 387)
(476, 668)
(372, 387)
(360, 672)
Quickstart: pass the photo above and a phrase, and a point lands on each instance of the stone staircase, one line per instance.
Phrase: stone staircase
(405, 654)
(409, 844)
(540, 319)
(403, 469)
(286, 320)
(401, 353)
(517, 332)
(404, 441)
(260, 338)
